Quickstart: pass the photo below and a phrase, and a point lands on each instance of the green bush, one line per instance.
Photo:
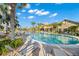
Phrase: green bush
(16, 43)
(5, 41)
(3, 50)
(13, 43)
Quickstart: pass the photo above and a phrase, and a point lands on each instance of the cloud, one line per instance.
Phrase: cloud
(39, 12)
(42, 12)
(18, 13)
(53, 15)
(32, 11)
(23, 10)
(28, 6)
(30, 17)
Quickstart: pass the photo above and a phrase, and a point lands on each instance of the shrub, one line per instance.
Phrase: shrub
(3, 50)
(5, 41)
(16, 43)
(13, 43)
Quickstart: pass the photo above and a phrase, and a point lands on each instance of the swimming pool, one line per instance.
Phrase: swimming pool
(54, 38)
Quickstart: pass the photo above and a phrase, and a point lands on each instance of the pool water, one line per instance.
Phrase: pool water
(54, 38)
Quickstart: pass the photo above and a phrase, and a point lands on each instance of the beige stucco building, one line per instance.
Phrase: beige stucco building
(65, 24)
(68, 23)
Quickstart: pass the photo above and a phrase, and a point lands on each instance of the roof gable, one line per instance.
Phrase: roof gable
(72, 21)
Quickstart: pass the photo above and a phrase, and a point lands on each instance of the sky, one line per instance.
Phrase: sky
(47, 13)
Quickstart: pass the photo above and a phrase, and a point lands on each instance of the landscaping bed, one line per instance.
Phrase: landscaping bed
(6, 41)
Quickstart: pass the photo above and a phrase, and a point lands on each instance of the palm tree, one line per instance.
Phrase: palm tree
(33, 24)
(39, 26)
(11, 15)
(4, 17)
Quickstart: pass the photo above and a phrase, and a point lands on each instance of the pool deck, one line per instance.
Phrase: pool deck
(35, 48)
(39, 49)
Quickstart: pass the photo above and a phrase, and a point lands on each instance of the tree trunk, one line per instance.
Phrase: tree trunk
(12, 15)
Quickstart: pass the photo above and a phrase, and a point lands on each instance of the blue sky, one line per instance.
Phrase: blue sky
(47, 13)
